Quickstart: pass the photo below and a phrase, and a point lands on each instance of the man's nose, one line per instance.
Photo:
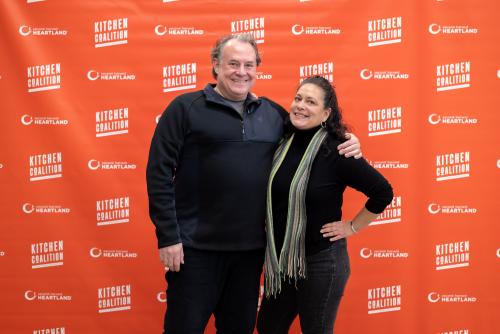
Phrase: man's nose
(241, 70)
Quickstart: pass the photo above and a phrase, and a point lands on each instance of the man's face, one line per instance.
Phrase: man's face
(236, 70)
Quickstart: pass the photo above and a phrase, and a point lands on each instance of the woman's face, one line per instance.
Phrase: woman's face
(307, 110)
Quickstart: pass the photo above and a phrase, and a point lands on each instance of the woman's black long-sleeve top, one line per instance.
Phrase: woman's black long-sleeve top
(330, 175)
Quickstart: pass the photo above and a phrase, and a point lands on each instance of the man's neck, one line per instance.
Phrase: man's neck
(217, 90)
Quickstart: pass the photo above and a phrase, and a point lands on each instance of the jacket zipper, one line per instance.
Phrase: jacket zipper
(243, 122)
(243, 129)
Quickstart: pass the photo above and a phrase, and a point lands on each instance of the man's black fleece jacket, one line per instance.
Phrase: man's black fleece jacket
(208, 170)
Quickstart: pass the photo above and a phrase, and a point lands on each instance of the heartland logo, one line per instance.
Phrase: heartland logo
(94, 75)
(110, 32)
(109, 165)
(111, 253)
(384, 299)
(391, 214)
(453, 76)
(452, 255)
(252, 26)
(384, 121)
(367, 253)
(436, 119)
(31, 295)
(385, 31)
(114, 298)
(162, 30)
(43, 77)
(367, 74)
(435, 29)
(452, 166)
(47, 254)
(161, 297)
(111, 122)
(45, 166)
(36, 31)
(42, 120)
(263, 76)
(298, 29)
(435, 297)
(434, 208)
(456, 331)
(29, 208)
(389, 164)
(324, 70)
(179, 77)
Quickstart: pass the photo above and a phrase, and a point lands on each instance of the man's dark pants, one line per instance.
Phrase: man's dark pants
(222, 283)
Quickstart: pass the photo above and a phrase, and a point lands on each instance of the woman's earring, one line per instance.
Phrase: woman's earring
(323, 124)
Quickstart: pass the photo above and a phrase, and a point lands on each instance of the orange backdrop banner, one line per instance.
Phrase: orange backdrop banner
(84, 82)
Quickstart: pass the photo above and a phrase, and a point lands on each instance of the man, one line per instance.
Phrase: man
(207, 173)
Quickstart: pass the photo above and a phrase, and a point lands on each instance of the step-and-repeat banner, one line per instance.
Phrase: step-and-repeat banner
(83, 84)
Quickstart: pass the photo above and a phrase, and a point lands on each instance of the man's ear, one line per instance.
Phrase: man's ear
(215, 65)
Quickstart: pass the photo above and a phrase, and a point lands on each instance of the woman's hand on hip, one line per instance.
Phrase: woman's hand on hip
(336, 230)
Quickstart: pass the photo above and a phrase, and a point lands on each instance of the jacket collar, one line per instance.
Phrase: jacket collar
(215, 97)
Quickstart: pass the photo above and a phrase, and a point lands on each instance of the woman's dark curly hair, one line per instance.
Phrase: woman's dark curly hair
(335, 126)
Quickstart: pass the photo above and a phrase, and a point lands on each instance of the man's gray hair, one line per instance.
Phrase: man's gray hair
(219, 45)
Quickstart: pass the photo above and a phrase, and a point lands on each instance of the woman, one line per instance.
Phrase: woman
(306, 265)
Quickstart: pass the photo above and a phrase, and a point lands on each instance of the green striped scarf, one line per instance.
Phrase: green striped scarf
(292, 260)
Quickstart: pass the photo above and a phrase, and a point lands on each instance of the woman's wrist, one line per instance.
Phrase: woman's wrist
(353, 229)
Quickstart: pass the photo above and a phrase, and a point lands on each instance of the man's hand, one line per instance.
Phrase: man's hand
(172, 257)
(351, 147)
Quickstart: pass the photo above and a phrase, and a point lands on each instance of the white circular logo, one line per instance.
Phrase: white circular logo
(297, 29)
(365, 253)
(24, 30)
(28, 208)
(162, 297)
(30, 295)
(434, 208)
(95, 252)
(94, 164)
(366, 74)
(498, 163)
(434, 29)
(434, 119)
(160, 30)
(433, 297)
(93, 75)
(2, 253)
(26, 119)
